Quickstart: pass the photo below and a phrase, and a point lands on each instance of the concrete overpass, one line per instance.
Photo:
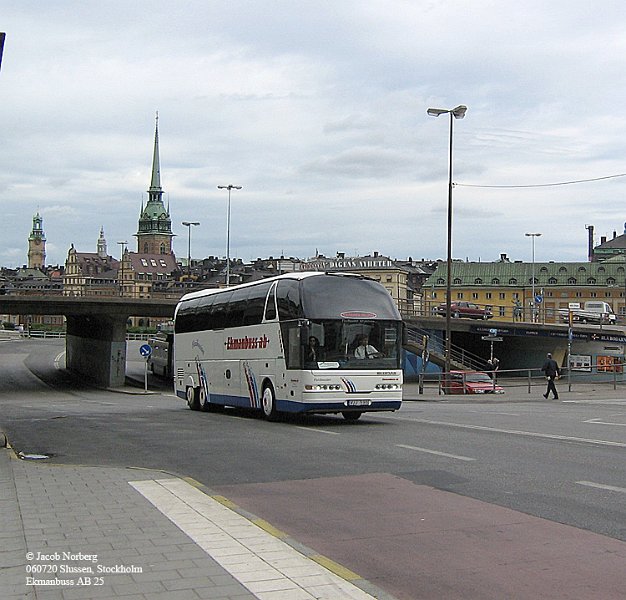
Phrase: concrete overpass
(95, 342)
(96, 334)
(524, 345)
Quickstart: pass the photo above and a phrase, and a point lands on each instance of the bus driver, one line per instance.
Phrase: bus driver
(365, 350)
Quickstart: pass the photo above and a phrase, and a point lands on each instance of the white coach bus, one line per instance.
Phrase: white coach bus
(297, 343)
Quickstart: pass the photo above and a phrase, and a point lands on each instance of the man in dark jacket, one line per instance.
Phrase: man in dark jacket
(552, 371)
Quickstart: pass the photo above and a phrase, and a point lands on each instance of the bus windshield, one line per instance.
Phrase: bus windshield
(347, 344)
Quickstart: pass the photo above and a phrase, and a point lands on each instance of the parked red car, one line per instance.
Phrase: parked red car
(464, 309)
(470, 382)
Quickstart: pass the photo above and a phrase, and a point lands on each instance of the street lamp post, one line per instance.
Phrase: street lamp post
(455, 113)
(533, 236)
(189, 225)
(228, 187)
(122, 250)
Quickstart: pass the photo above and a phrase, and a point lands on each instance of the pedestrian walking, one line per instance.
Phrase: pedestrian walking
(552, 371)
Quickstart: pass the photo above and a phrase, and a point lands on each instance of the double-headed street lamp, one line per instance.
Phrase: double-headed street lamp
(189, 225)
(228, 187)
(533, 236)
(455, 113)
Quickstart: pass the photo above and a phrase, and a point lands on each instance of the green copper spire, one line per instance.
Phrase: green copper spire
(154, 235)
(155, 183)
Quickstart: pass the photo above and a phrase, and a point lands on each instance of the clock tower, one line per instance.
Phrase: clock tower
(37, 244)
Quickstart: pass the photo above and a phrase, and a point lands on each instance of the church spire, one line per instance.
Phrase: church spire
(155, 183)
(154, 235)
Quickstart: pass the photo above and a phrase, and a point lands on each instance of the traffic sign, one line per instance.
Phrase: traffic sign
(538, 298)
(145, 350)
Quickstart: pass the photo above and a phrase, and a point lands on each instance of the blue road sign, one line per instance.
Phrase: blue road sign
(538, 298)
(145, 350)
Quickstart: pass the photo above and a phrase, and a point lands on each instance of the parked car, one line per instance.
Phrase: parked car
(470, 382)
(464, 309)
(160, 361)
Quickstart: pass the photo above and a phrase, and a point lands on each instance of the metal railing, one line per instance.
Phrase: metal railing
(463, 358)
(526, 381)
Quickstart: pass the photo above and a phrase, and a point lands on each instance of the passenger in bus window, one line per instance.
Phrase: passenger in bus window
(365, 349)
(313, 350)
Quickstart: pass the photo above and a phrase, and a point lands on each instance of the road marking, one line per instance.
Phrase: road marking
(242, 547)
(547, 436)
(601, 486)
(57, 360)
(598, 422)
(456, 456)
(317, 430)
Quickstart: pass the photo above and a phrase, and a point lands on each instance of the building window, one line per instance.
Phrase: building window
(578, 295)
(502, 311)
(459, 295)
(474, 295)
(441, 281)
(495, 281)
(607, 294)
(594, 294)
(516, 295)
(512, 281)
(488, 295)
(552, 281)
(572, 281)
(478, 281)
(457, 281)
(502, 296)
(610, 280)
(591, 280)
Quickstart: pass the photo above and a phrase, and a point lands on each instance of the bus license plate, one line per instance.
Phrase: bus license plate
(359, 402)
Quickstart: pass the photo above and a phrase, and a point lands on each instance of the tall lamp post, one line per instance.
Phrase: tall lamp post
(533, 236)
(455, 113)
(228, 187)
(122, 250)
(189, 225)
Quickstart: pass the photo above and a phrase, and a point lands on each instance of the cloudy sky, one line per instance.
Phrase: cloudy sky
(318, 110)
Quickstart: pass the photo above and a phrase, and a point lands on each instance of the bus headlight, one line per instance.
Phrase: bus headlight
(322, 387)
(388, 386)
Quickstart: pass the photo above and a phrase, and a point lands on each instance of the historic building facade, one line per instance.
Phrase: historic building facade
(394, 277)
(504, 285)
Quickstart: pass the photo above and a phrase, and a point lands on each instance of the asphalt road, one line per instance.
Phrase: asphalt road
(321, 475)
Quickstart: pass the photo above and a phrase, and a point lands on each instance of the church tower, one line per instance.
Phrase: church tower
(37, 244)
(102, 244)
(154, 235)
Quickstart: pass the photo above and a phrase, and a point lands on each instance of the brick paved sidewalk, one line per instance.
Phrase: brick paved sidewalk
(100, 532)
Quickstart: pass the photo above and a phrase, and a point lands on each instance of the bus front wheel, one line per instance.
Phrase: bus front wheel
(268, 403)
(193, 400)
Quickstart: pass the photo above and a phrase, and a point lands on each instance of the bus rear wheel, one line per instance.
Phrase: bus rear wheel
(193, 400)
(351, 416)
(268, 403)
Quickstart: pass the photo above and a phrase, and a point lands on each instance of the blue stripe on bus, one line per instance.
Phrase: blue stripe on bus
(290, 406)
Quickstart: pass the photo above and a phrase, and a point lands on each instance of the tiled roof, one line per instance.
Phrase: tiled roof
(520, 273)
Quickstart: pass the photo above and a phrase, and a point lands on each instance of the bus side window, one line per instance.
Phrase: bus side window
(270, 307)
(288, 297)
(256, 303)
(219, 313)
